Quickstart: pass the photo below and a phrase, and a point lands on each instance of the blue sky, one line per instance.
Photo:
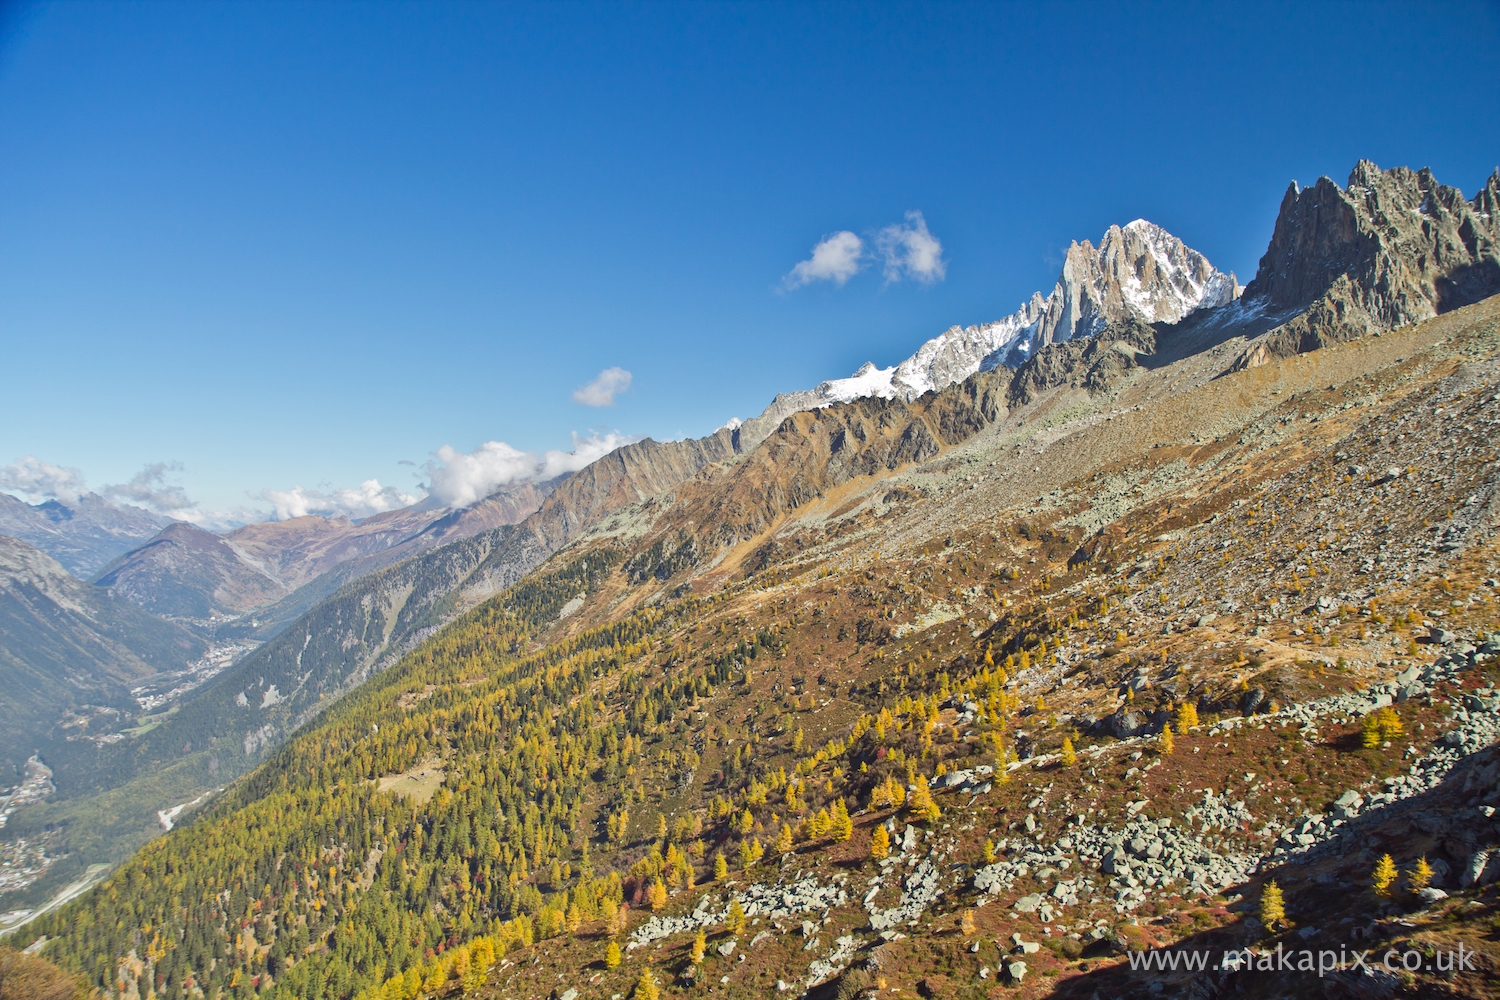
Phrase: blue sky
(297, 244)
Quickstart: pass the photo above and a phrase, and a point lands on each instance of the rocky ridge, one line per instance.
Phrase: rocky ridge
(1138, 272)
(1391, 247)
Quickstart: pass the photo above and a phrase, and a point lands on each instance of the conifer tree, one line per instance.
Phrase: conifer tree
(656, 895)
(1167, 743)
(784, 840)
(920, 801)
(1420, 877)
(735, 921)
(1384, 875)
(880, 843)
(612, 955)
(721, 867)
(843, 824)
(820, 824)
(1069, 755)
(1390, 724)
(1272, 906)
(700, 946)
(1187, 716)
(646, 988)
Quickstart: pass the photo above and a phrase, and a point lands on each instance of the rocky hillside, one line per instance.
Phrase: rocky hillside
(1053, 682)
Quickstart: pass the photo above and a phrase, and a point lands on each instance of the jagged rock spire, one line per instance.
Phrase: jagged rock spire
(1394, 246)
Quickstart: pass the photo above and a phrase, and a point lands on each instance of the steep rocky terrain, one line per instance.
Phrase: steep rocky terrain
(1391, 247)
(84, 535)
(1079, 567)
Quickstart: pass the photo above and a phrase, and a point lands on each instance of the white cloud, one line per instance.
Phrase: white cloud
(836, 258)
(455, 479)
(585, 452)
(37, 480)
(149, 488)
(40, 480)
(603, 390)
(362, 501)
(909, 250)
(459, 479)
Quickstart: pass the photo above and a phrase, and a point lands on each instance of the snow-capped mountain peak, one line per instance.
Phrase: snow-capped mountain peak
(1139, 269)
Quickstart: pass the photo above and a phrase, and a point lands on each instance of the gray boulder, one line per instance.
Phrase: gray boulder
(1482, 868)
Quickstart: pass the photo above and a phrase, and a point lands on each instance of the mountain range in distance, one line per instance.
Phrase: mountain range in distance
(277, 569)
(71, 653)
(82, 535)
